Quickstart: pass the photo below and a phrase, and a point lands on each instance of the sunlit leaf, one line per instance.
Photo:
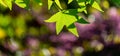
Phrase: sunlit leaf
(73, 29)
(1, 2)
(6, 3)
(54, 18)
(96, 6)
(64, 19)
(58, 3)
(20, 3)
(59, 26)
(82, 3)
(50, 2)
(9, 4)
(69, 1)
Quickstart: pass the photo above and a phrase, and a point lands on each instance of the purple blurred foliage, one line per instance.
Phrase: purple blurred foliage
(26, 52)
(60, 52)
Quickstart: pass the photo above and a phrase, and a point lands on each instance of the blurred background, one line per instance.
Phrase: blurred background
(24, 32)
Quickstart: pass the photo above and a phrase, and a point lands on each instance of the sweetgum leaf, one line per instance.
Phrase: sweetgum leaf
(2, 3)
(6, 3)
(20, 3)
(73, 29)
(50, 2)
(58, 4)
(96, 6)
(64, 19)
(9, 3)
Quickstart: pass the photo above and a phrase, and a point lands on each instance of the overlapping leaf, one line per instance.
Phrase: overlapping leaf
(50, 2)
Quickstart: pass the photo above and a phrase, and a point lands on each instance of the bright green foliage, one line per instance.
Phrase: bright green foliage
(9, 3)
(2, 2)
(6, 3)
(50, 2)
(58, 3)
(20, 3)
(96, 6)
(69, 1)
(81, 2)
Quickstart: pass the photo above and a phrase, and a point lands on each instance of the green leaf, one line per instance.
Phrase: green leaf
(82, 21)
(20, 3)
(54, 18)
(50, 2)
(96, 6)
(2, 3)
(59, 26)
(69, 1)
(58, 3)
(73, 29)
(9, 4)
(82, 3)
(6, 3)
(64, 19)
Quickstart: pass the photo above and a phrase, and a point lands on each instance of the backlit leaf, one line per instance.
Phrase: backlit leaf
(20, 3)
(6, 3)
(1, 2)
(69, 1)
(64, 19)
(96, 6)
(50, 2)
(58, 3)
(73, 30)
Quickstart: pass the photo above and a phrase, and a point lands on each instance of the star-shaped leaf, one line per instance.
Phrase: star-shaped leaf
(63, 19)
